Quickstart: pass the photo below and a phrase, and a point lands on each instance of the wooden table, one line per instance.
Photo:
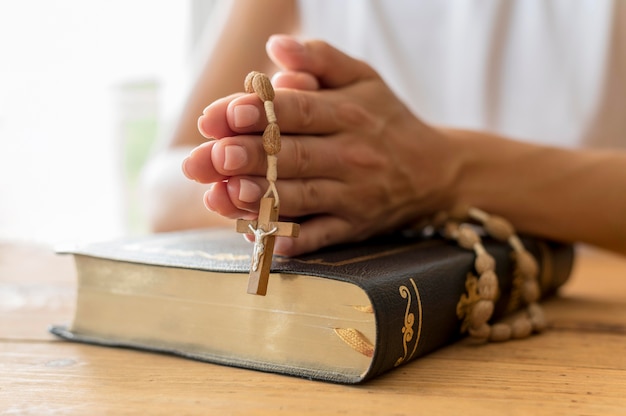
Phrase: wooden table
(578, 367)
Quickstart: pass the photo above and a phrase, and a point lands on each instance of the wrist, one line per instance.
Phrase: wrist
(493, 171)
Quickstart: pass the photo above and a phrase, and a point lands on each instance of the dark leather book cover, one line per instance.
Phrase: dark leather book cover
(414, 283)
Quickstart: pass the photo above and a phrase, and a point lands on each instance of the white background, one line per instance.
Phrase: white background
(61, 64)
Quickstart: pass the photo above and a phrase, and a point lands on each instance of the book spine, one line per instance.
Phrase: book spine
(416, 308)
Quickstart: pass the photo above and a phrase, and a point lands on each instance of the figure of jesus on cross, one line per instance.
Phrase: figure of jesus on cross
(259, 244)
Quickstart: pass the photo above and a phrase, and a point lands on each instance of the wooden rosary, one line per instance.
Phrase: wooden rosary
(475, 307)
(267, 227)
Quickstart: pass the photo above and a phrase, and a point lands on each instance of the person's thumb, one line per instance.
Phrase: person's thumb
(331, 67)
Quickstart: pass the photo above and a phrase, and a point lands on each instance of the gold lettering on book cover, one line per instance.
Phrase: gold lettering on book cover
(410, 335)
(467, 301)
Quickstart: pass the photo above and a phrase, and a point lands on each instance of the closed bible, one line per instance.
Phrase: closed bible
(344, 314)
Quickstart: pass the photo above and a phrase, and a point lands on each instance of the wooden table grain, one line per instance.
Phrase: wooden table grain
(577, 367)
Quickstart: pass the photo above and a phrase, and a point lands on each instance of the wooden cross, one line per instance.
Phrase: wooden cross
(265, 229)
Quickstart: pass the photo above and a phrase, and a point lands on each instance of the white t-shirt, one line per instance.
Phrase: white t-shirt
(548, 71)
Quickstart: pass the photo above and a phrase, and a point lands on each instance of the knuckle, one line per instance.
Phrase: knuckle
(304, 109)
(301, 157)
(310, 197)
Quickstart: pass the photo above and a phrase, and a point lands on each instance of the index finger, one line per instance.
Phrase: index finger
(297, 112)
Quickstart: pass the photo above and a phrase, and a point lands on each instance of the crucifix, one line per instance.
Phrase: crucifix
(267, 227)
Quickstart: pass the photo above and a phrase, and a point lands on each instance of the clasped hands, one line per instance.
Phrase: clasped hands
(354, 162)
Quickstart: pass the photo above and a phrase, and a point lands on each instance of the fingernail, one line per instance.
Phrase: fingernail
(186, 171)
(235, 157)
(245, 115)
(207, 200)
(249, 191)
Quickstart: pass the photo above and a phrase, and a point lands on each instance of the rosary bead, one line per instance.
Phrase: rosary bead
(247, 83)
(499, 228)
(488, 286)
(537, 317)
(527, 264)
(263, 87)
(484, 262)
(530, 291)
(482, 332)
(500, 333)
(467, 237)
(521, 328)
(481, 313)
(271, 139)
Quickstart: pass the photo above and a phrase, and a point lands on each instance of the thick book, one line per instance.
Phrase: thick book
(344, 314)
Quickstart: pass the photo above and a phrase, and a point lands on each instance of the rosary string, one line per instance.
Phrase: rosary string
(259, 83)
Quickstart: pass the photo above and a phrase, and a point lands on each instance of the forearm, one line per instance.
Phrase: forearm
(171, 201)
(234, 49)
(568, 195)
